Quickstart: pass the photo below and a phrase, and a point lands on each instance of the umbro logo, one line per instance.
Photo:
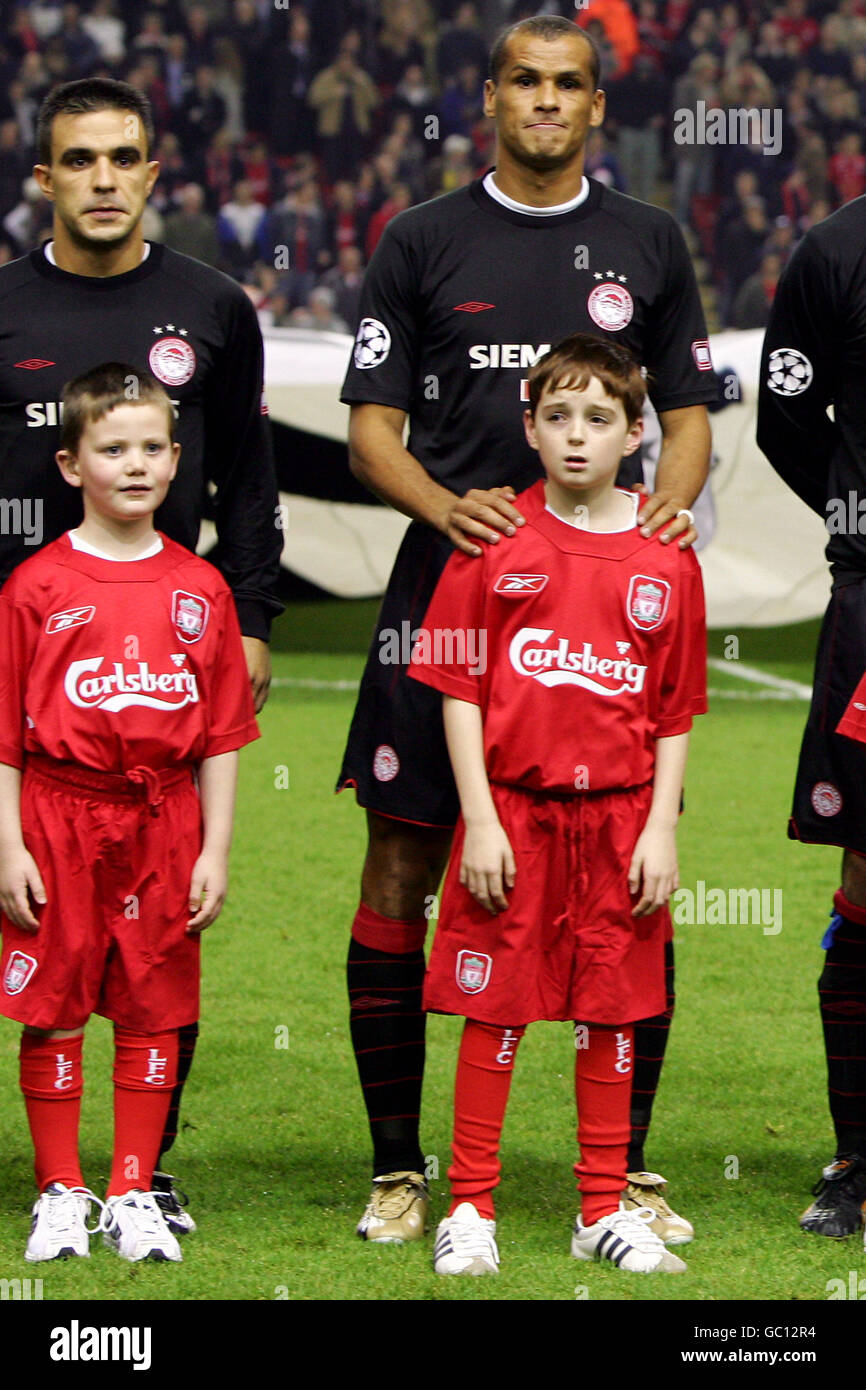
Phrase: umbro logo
(473, 306)
(518, 584)
(34, 364)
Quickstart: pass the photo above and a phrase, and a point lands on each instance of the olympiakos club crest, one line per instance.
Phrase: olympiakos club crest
(173, 361)
(386, 764)
(19, 972)
(473, 971)
(610, 306)
(647, 602)
(190, 614)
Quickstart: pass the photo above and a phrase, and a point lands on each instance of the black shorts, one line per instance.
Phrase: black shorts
(396, 756)
(830, 793)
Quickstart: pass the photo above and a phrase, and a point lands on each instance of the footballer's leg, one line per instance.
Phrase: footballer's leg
(647, 1189)
(385, 975)
(171, 1200)
(841, 1190)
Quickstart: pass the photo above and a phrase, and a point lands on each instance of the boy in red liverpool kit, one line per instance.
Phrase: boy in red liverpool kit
(123, 701)
(571, 663)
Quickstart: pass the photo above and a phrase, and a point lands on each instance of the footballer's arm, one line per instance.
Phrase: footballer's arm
(683, 468)
(19, 874)
(379, 459)
(653, 871)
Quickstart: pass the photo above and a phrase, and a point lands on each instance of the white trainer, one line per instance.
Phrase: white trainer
(625, 1238)
(134, 1226)
(59, 1226)
(466, 1243)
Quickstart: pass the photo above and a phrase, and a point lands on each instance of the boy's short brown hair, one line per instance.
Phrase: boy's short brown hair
(573, 361)
(90, 396)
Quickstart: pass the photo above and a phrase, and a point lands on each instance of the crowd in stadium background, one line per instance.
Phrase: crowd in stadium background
(307, 127)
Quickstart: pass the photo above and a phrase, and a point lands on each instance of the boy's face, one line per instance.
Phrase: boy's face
(581, 436)
(124, 462)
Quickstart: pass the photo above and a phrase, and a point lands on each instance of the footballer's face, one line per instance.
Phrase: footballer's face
(99, 178)
(545, 101)
(581, 433)
(124, 462)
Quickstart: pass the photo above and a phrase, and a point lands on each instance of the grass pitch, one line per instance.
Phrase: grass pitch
(273, 1149)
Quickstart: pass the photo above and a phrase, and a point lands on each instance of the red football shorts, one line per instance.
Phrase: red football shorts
(116, 857)
(567, 946)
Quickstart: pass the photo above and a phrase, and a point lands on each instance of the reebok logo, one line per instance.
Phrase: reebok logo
(517, 584)
(70, 617)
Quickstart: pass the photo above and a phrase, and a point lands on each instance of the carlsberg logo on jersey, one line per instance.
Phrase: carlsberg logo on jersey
(120, 688)
(554, 663)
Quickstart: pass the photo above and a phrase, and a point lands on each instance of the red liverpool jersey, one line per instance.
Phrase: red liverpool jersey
(581, 647)
(114, 664)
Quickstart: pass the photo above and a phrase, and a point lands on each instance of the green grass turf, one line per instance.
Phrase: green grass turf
(274, 1150)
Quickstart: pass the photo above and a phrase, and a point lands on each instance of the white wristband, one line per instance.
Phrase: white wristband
(684, 511)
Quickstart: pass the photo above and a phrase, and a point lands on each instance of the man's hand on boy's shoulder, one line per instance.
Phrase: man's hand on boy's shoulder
(659, 509)
(477, 514)
(258, 655)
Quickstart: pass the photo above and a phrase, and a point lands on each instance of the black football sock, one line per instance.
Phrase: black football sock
(650, 1041)
(388, 1026)
(186, 1038)
(842, 994)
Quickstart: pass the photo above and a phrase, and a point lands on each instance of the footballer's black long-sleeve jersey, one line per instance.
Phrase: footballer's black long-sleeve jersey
(462, 295)
(814, 355)
(196, 331)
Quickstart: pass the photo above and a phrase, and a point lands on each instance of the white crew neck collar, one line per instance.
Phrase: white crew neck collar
(87, 549)
(489, 185)
(617, 531)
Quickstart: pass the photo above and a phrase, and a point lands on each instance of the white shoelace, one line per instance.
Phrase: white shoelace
(472, 1240)
(633, 1227)
(143, 1210)
(62, 1212)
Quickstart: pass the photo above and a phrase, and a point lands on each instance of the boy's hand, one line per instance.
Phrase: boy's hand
(207, 891)
(476, 513)
(18, 876)
(655, 863)
(487, 867)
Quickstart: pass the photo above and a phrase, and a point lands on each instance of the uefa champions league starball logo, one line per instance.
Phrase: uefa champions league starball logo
(372, 344)
(789, 372)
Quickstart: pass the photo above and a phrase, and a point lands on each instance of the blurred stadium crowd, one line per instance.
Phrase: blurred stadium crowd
(290, 134)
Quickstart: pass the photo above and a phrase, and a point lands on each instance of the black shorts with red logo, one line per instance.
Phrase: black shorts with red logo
(396, 756)
(830, 791)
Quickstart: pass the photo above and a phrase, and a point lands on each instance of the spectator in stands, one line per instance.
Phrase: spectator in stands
(294, 236)
(742, 250)
(755, 295)
(460, 43)
(204, 113)
(14, 168)
(398, 46)
(462, 102)
(847, 168)
(190, 230)
(26, 224)
(238, 226)
(414, 96)
(289, 74)
(106, 29)
(318, 313)
(344, 280)
(399, 199)
(344, 223)
(80, 50)
(344, 97)
(693, 163)
(639, 104)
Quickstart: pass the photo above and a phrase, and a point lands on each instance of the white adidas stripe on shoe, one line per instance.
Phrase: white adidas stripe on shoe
(466, 1243)
(624, 1238)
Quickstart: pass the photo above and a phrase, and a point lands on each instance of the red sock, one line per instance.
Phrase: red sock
(52, 1083)
(145, 1072)
(602, 1075)
(484, 1070)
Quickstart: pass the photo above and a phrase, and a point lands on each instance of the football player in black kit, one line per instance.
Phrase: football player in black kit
(461, 296)
(814, 355)
(97, 291)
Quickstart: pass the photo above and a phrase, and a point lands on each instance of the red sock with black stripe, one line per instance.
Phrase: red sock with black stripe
(385, 977)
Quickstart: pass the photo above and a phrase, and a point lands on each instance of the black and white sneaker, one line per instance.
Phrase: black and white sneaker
(626, 1240)
(171, 1202)
(133, 1225)
(466, 1243)
(839, 1194)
